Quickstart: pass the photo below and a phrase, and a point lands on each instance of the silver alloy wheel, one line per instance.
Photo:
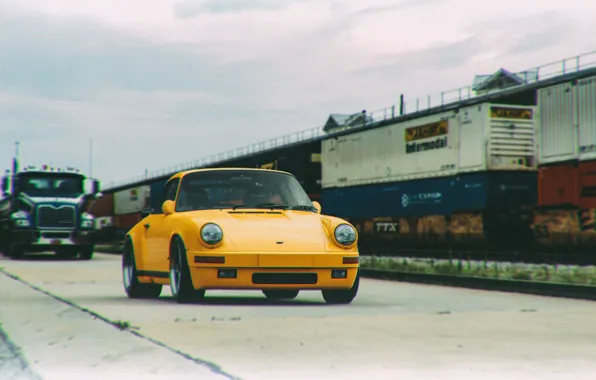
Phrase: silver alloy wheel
(176, 270)
(127, 271)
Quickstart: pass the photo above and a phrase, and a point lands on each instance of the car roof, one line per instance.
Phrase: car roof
(186, 172)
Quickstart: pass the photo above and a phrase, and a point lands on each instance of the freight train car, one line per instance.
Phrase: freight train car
(565, 217)
(461, 178)
(103, 211)
(128, 204)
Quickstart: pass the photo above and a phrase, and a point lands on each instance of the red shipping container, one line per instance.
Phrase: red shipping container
(126, 221)
(587, 184)
(558, 185)
(103, 206)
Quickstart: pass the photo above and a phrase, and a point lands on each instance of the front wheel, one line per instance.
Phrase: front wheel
(335, 296)
(86, 253)
(132, 286)
(180, 279)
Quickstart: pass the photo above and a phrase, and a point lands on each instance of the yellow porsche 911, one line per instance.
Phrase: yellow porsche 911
(240, 229)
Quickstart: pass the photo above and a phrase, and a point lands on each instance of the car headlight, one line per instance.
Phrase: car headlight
(345, 234)
(211, 233)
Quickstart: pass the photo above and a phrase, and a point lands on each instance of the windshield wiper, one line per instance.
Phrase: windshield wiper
(302, 208)
(262, 205)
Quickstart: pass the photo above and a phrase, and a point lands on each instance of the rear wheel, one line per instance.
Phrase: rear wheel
(341, 296)
(132, 286)
(281, 294)
(180, 280)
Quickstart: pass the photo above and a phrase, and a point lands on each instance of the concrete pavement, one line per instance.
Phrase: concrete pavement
(391, 330)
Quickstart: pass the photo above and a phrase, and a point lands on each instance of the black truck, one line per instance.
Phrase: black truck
(46, 209)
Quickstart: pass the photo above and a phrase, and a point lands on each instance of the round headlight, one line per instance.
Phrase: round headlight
(211, 233)
(345, 234)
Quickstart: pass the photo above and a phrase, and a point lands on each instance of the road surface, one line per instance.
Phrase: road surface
(64, 315)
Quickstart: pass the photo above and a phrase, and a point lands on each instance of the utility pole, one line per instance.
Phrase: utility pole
(90, 158)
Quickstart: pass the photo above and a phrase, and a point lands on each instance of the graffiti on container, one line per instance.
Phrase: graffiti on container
(428, 131)
(511, 113)
(556, 227)
(427, 229)
(420, 198)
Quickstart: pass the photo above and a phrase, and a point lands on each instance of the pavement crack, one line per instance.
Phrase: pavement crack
(124, 326)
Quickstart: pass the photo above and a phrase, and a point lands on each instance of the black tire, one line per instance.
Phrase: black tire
(66, 253)
(180, 279)
(281, 294)
(132, 286)
(86, 253)
(15, 252)
(340, 296)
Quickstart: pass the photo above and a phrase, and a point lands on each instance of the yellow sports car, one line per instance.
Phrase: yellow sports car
(240, 229)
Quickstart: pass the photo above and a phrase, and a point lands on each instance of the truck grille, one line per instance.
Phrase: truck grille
(61, 217)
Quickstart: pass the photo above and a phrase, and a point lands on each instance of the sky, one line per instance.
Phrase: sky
(158, 83)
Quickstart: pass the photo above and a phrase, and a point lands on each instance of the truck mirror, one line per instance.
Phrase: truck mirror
(5, 184)
(95, 186)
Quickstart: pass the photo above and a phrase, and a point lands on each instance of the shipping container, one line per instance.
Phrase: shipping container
(556, 123)
(131, 200)
(587, 184)
(481, 210)
(104, 206)
(558, 185)
(586, 117)
(125, 222)
(471, 139)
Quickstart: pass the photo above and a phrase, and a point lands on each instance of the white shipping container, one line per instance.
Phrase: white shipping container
(131, 200)
(481, 137)
(557, 122)
(586, 118)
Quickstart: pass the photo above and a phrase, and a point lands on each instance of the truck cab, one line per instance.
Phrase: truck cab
(46, 209)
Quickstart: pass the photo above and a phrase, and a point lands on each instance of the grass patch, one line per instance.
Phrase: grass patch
(563, 274)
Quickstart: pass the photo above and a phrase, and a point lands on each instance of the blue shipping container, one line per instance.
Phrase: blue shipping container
(156, 194)
(434, 196)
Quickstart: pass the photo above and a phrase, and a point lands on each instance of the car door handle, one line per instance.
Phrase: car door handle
(146, 225)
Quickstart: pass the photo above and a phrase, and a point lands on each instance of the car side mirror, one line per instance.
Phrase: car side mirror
(146, 212)
(168, 207)
(317, 206)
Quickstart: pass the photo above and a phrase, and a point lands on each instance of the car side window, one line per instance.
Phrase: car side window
(171, 189)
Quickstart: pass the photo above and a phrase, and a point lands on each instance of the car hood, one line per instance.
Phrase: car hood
(269, 230)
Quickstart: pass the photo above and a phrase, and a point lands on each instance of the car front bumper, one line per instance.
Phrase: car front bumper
(315, 271)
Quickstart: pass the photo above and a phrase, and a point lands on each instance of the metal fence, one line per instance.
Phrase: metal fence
(444, 98)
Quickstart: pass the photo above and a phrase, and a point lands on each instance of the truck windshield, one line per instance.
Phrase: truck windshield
(51, 184)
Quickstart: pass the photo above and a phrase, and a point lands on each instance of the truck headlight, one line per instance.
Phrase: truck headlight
(345, 234)
(87, 220)
(21, 218)
(211, 233)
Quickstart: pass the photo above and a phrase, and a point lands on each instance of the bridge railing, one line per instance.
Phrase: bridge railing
(444, 98)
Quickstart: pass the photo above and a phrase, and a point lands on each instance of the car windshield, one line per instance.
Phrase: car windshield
(241, 188)
(51, 184)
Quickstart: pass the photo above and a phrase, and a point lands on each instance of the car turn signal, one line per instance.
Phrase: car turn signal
(351, 260)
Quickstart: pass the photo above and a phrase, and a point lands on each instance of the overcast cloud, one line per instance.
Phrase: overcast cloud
(161, 82)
